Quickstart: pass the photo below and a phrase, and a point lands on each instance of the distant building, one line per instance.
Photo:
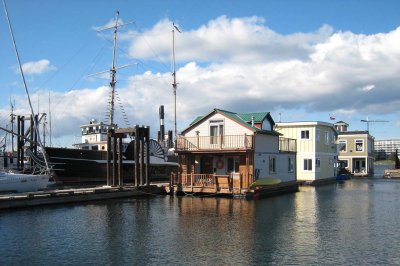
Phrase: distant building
(356, 150)
(316, 149)
(385, 148)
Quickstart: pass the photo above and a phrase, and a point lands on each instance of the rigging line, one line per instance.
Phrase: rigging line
(25, 85)
(64, 65)
(83, 74)
(140, 61)
(151, 48)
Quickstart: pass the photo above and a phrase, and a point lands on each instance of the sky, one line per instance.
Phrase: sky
(299, 60)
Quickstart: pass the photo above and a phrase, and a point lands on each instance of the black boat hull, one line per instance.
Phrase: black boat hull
(76, 166)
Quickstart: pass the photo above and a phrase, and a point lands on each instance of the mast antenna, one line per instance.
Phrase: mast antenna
(371, 121)
(174, 84)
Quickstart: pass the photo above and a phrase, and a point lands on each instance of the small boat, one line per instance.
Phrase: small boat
(16, 182)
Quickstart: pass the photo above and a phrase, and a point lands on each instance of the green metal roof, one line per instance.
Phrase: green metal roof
(243, 119)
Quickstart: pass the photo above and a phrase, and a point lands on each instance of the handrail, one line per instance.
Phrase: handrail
(215, 142)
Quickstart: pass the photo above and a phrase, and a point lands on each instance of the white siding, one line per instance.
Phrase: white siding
(230, 127)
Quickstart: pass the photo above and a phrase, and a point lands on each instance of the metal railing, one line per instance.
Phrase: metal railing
(215, 142)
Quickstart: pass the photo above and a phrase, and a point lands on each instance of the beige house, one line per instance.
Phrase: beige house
(356, 150)
(316, 149)
(225, 152)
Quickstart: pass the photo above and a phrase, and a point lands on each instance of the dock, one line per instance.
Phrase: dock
(63, 196)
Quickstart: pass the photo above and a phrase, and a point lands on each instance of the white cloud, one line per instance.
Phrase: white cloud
(37, 67)
(240, 64)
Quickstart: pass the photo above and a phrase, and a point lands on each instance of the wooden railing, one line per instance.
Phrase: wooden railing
(232, 181)
(215, 142)
(287, 145)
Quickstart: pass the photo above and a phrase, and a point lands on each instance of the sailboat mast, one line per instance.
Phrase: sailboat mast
(113, 72)
(25, 86)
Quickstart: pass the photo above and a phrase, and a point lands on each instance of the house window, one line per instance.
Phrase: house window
(343, 163)
(290, 164)
(308, 164)
(305, 134)
(342, 145)
(272, 165)
(327, 138)
(233, 165)
(216, 131)
(317, 133)
(317, 164)
(359, 145)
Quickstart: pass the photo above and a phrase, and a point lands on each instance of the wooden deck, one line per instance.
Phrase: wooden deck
(226, 185)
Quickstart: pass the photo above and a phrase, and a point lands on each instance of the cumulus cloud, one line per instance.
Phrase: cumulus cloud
(37, 67)
(240, 64)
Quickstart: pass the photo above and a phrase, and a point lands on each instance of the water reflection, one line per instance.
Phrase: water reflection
(351, 223)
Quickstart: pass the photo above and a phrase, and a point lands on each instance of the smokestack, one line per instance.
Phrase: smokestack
(170, 139)
(162, 129)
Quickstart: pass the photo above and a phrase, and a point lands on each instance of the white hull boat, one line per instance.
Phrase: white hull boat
(15, 182)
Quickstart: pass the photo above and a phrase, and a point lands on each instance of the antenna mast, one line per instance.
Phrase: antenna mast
(174, 85)
(371, 121)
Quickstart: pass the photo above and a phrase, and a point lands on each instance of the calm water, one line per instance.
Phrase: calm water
(355, 223)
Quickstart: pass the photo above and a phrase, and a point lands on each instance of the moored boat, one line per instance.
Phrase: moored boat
(16, 182)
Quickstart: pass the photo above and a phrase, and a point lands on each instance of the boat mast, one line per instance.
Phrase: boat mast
(174, 84)
(113, 72)
(26, 87)
(113, 69)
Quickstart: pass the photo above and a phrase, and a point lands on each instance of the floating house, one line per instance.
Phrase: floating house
(316, 149)
(356, 150)
(224, 152)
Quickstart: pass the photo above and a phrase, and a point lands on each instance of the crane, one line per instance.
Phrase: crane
(372, 121)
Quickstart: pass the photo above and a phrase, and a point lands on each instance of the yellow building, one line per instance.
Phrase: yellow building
(316, 149)
(356, 150)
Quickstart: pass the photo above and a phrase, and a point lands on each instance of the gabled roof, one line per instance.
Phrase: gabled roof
(243, 119)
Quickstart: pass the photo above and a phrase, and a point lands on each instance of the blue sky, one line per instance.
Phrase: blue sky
(307, 60)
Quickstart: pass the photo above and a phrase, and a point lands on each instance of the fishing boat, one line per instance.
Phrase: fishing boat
(86, 162)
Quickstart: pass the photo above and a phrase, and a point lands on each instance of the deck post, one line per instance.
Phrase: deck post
(137, 147)
(141, 148)
(18, 141)
(147, 134)
(120, 176)
(22, 141)
(245, 141)
(114, 144)
(109, 157)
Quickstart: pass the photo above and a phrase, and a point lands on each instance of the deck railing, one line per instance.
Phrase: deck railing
(287, 145)
(215, 142)
(231, 181)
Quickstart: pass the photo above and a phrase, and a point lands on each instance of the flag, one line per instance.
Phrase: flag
(176, 28)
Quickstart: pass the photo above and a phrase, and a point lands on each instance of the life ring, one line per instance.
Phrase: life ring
(220, 164)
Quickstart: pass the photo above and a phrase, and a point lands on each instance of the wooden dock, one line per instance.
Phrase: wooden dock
(63, 196)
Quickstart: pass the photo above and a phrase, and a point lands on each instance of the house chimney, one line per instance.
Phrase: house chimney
(252, 121)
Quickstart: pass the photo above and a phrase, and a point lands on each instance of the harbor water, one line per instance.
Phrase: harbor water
(351, 223)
